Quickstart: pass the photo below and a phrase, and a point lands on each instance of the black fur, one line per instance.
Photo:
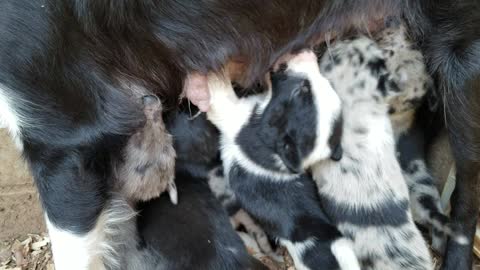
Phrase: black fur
(288, 210)
(196, 233)
(195, 140)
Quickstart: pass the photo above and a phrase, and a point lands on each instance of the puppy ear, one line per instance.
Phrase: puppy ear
(289, 154)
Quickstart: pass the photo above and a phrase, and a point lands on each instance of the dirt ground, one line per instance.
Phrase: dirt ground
(33, 252)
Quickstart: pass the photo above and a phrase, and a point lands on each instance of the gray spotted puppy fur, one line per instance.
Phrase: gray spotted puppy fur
(365, 193)
(407, 65)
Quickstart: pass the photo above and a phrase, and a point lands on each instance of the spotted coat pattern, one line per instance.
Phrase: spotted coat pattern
(365, 192)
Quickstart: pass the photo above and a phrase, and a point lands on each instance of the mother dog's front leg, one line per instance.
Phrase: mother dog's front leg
(74, 194)
(464, 129)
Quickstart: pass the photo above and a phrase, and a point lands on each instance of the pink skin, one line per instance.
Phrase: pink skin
(196, 90)
(196, 85)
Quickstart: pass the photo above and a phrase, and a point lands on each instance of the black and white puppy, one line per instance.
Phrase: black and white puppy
(196, 233)
(282, 200)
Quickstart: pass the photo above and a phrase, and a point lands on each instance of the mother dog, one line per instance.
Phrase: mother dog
(70, 71)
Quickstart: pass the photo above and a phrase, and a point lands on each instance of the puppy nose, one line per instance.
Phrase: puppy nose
(337, 153)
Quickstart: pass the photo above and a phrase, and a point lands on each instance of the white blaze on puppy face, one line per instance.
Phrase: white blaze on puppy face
(326, 100)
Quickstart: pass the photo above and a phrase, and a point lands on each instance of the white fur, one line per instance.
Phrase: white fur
(70, 251)
(8, 117)
(327, 103)
(342, 249)
(113, 234)
(296, 250)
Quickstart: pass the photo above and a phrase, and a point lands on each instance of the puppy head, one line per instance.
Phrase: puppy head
(195, 139)
(358, 71)
(303, 118)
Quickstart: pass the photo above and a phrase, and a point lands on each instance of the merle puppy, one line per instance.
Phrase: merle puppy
(365, 193)
(284, 201)
(406, 64)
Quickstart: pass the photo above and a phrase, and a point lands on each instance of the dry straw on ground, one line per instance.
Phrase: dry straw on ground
(28, 253)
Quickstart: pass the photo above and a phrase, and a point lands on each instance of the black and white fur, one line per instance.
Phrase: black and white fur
(407, 65)
(238, 217)
(68, 69)
(284, 202)
(365, 193)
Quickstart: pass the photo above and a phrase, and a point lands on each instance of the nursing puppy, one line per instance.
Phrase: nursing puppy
(283, 201)
(365, 193)
(196, 233)
(407, 65)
